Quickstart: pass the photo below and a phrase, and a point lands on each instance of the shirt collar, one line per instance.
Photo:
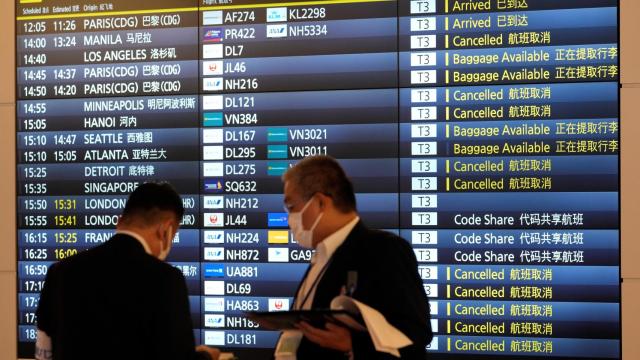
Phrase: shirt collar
(138, 237)
(328, 246)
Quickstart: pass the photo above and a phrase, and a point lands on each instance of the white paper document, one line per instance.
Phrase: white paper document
(386, 338)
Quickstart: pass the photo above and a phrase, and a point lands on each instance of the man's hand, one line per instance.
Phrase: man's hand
(333, 337)
(213, 352)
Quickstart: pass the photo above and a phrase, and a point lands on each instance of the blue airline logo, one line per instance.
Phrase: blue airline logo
(213, 270)
(277, 219)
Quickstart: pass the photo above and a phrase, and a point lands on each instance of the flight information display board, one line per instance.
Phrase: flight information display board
(484, 132)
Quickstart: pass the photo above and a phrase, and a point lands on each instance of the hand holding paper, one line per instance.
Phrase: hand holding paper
(385, 337)
(332, 336)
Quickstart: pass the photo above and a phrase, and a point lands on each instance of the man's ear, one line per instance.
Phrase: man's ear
(165, 226)
(324, 201)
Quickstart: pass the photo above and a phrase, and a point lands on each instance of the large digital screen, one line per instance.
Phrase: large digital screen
(484, 132)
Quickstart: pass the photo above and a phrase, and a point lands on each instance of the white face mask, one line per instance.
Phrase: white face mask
(302, 236)
(164, 252)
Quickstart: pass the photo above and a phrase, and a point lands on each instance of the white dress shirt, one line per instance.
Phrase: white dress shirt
(319, 260)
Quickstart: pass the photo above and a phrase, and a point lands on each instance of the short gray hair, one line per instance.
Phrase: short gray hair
(323, 174)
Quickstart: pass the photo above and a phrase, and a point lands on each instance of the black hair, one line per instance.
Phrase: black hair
(149, 199)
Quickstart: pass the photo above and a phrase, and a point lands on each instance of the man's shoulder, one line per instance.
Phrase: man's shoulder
(373, 243)
(118, 250)
(89, 257)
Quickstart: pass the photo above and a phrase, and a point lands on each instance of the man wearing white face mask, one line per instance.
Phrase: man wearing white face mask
(374, 267)
(120, 300)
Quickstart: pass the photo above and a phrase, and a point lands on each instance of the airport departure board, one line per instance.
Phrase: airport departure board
(484, 132)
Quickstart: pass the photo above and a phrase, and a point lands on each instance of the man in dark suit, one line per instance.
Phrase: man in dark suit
(322, 215)
(120, 300)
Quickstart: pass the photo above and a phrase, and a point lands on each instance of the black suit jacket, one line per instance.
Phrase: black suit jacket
(388, 281)
(116, 302)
